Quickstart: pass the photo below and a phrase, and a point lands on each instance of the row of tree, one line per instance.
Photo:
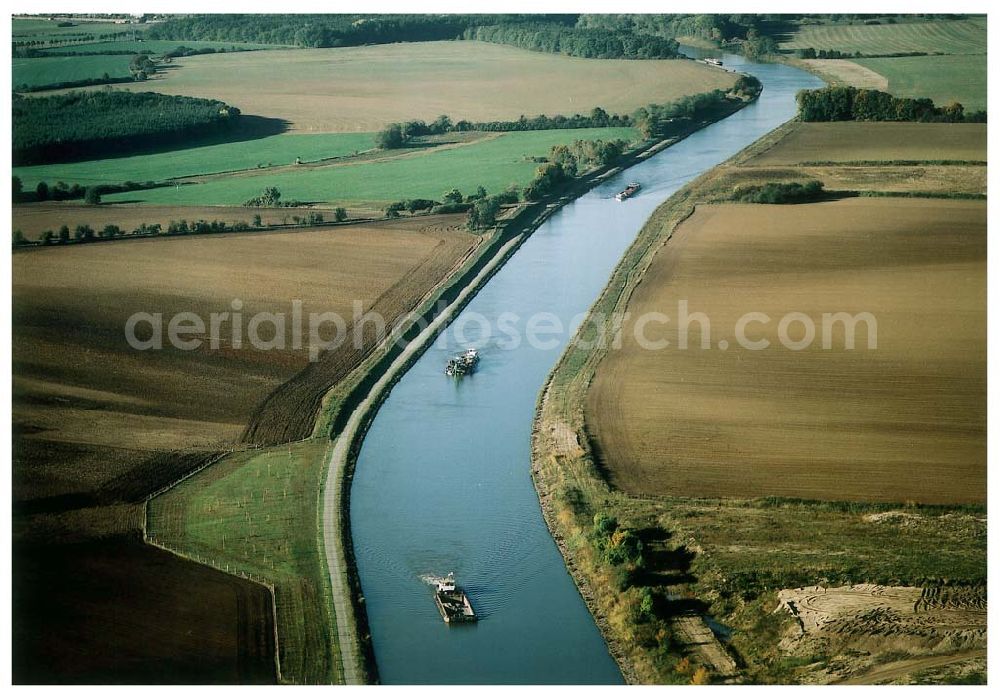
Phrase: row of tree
(330, 30)
(550, 33)
(655, 120)
(664, 120)
(96, 124)
(846, 103)
(85, 233)
(579, 41)
(61, 191)
(399, 134)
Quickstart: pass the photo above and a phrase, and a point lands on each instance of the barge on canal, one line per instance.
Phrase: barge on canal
(463, 364)
(452, 602)
(628, 191)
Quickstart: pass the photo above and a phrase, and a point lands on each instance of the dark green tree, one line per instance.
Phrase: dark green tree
(390, 137)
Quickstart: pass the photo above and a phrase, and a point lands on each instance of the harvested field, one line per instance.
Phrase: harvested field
(844, 72)
(35, 219)
(73, 302)
(846, 142)
(97, 423)
(905, 421)
(363, 88)
(168, 620)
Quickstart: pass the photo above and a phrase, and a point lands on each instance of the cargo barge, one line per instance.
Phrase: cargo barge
(452, 602)
(463, 364)
(628, 191)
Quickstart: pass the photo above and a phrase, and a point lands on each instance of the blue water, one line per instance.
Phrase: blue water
(443, 479)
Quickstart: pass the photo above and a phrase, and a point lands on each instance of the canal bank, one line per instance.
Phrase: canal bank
(349, 408)
(443, 483)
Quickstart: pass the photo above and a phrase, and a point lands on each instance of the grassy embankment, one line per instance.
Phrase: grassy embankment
(728, 556)
(954, 70)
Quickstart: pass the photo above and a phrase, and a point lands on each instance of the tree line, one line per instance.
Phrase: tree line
(846, 103)
(399, 134)
(578, 41)
(565, 162)
(326, 31)
(654, 120)
(85, 233)
(550, 33)
(88, 124)
(61, 191)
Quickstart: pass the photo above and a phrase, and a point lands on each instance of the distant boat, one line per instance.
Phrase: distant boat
(714, 61)
(463, 364)
(452, 602)
(628, 191)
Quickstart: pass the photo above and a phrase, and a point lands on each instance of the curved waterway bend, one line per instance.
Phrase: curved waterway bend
(443, 479)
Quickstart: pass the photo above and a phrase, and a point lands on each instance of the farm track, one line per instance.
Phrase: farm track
(894, 670)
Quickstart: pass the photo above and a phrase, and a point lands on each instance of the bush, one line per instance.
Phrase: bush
(414, 205)
(453, 197)
(92, 196)
(483, 213)
(390, 137)
(269, 198)
(340, 214)
(780, 193)
(453, 207)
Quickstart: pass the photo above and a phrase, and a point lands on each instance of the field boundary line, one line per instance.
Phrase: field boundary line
(196, 559)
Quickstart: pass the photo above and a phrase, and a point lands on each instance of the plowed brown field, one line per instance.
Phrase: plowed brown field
(97, 423)
(905, 421)
(849, 141)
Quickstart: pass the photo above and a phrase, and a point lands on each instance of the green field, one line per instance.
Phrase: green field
(942, 36)
(272, 150)
(49, 70)
(493, 163)
(255, 513)
(944, 79)
(23, 29)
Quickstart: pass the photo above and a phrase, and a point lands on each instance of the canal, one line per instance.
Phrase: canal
(443, 481)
